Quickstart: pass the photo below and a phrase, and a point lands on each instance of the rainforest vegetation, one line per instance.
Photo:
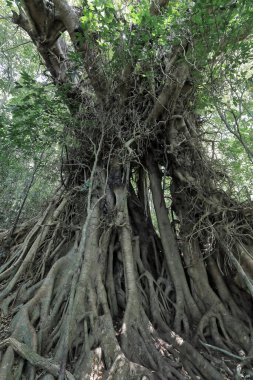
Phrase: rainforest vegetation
(126, 183)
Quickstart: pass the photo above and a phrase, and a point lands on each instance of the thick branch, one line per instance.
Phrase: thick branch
(157, 5)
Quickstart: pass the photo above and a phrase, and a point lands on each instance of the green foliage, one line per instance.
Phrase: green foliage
(219, 28)
(31, 123)
(227, 107)
(16, 172)
(222, 55)
(237, 166)
(33, 117)
(130, 32)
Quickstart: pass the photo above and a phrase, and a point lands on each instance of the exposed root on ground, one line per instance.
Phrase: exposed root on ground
(101, 300)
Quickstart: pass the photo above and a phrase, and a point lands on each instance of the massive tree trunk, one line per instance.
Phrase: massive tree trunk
(93, 289)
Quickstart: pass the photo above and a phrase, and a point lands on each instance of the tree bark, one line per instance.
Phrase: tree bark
(103, 285)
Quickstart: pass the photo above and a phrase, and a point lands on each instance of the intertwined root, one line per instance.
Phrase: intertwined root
(101, 299)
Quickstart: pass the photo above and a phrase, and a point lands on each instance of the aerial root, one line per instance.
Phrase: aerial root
(245, 362)
(33, 358)
(117, 364)
(225, 330)
(144, 347)
(38, 311)
(21, 259)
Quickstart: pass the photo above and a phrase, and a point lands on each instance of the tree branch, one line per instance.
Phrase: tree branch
(157, 5)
